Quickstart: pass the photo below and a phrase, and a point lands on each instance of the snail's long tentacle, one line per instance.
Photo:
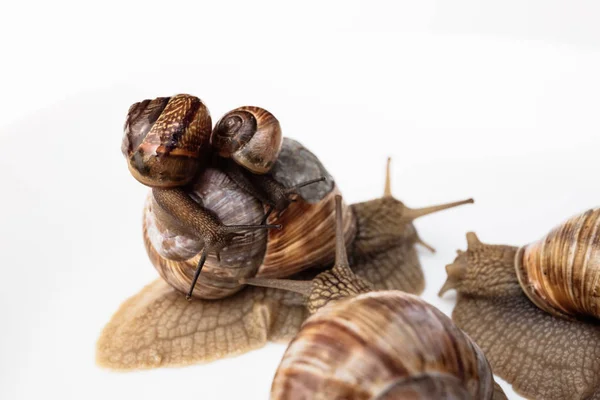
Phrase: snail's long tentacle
(188, 296)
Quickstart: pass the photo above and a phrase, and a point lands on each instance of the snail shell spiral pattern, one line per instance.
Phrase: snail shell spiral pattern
(383, 345)
(560, 273)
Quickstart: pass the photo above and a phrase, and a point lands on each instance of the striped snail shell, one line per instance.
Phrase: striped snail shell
(307, 240)
(360, 344)
(560, 273)
(534, 309)
(382, 345)
(251, 136)
(165, 138)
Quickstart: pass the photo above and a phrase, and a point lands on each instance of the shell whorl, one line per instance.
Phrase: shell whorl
(251, 136)
(365, 346)
(560, 273)
(165, 138)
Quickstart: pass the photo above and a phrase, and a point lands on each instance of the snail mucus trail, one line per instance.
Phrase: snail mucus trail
(168, 140)
(407, 348)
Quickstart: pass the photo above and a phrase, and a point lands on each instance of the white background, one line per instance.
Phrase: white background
(498, 101)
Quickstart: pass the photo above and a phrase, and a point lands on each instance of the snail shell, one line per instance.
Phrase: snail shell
(385, 344)
(251, 136)
(560, 273)
(165, 139)
(533, 310)
(306, 241)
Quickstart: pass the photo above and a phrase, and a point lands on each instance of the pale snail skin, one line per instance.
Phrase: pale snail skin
(362, 344)
(541, 330)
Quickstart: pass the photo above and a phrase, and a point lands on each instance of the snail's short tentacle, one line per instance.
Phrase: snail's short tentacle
(483, 270)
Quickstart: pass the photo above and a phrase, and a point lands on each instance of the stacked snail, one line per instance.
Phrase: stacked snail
(232, 203)
(535, 310)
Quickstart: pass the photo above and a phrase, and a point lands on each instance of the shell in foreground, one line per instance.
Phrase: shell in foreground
(381, 344)
(560, 273)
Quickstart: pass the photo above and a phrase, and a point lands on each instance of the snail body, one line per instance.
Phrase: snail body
(540, 303)
(364, 344)
(211, 212)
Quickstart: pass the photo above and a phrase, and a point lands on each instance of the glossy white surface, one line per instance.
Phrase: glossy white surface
(496, 102)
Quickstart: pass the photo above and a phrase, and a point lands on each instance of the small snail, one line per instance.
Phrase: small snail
(360, 344)
(230, 318)
(534, 310)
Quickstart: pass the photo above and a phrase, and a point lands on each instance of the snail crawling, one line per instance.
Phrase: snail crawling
(361, 344)
(157, 327)
(535, 310)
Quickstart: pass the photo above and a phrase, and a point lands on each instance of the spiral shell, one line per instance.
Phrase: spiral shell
(251, 136)
(306, 240)
(381, 345)
(560, 273)
(175, 252)
(165, 138)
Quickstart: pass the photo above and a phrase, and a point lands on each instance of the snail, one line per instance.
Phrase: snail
(379, 233)
(534, 310)
(361, 344)
(195, 208)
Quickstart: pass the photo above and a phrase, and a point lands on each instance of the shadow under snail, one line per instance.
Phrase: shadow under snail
(359, 344)
(157, 327)
(535, 310)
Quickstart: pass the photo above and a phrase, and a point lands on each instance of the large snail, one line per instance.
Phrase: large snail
(229, 320)
(534, 310)
(360, 344)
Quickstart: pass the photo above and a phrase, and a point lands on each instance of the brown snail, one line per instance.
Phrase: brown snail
(534, 309)
(360, 344)
(379, 233)
(198, 207)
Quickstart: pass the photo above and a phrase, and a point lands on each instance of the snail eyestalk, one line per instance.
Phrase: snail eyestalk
(233, 228)
(302, 287)
(387, 191)
(414, 213)
(341, 255)
(293, 189)
(197, 274)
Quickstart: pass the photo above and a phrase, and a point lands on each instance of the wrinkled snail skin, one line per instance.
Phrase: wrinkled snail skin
(175, 253)
(527, 309)
(165, 139)
(361, 344)
(386, 238)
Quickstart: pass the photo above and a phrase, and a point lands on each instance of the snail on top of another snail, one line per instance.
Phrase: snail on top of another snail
(198, 220)
(535, 310)
(361, 344)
